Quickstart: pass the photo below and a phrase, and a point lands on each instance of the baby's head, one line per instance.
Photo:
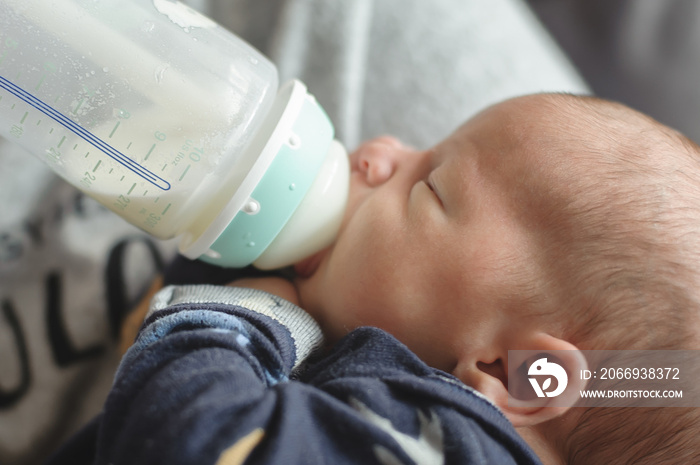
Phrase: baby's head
(547, 222)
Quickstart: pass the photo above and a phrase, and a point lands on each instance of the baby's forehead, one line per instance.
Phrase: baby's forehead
(580, 133)
(576, 114)
(545, 151)
(547, 147)
(530, 135)
(574, 152)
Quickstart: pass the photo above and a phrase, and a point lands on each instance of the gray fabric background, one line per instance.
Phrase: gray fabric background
(645, 53)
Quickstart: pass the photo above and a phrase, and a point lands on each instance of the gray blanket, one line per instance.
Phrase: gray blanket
(70, 269)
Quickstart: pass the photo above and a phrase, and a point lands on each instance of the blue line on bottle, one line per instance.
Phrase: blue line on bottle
(84, 134)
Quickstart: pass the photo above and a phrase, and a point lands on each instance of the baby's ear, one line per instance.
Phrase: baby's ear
(531, 385)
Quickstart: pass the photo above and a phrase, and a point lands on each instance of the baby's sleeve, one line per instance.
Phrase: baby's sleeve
(201, 379)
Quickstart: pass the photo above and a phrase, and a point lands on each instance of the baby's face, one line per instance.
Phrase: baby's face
(431, 247)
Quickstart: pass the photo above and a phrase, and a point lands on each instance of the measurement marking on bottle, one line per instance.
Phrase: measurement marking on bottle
(41, 82)
(81, 132)
(185, 172)
(122, 178)
(26, 113)
(129, 146)
(149, 152)
(166, 209)
(115, 129)
(63, 139)
(38, 122)
(99, 162)
(75, 146)
(145, 193)
(80, 104)
(164, 166)
(131, 190)
(87, 154)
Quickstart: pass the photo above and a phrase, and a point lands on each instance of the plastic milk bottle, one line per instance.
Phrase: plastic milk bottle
(175, 124)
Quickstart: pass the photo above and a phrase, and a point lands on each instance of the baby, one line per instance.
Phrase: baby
(546, 222)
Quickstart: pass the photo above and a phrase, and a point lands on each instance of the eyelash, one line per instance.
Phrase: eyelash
(429, 183)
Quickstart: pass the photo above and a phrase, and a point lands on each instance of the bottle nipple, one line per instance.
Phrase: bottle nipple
(316, 221)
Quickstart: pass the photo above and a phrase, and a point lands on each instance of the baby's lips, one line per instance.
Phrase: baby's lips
(309, 265)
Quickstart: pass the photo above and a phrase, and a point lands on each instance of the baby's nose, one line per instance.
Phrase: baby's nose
(377, 159)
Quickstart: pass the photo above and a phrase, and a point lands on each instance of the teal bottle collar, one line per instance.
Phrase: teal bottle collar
(301, 142)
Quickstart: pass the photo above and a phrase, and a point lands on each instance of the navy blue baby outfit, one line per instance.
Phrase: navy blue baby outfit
(222, 375)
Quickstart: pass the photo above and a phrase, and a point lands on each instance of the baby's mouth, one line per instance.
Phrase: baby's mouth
(308, 266)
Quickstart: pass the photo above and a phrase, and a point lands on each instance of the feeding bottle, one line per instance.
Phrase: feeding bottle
(175, 124)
